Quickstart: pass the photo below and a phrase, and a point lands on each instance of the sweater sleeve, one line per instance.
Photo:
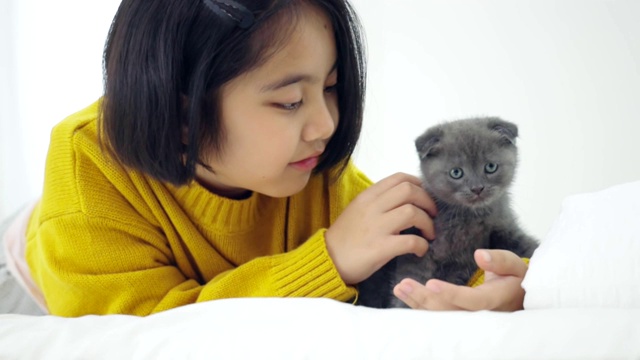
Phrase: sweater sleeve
(131, 272)
(306, 271)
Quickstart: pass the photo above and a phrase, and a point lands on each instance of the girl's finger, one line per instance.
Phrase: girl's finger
(497, 295)
(461, 296)
(406, 216)
(406, 193)
(405, 244)
(418, 296)
(501, 262)
(389, 182)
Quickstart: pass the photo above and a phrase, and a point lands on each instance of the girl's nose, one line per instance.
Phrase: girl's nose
(322, 121)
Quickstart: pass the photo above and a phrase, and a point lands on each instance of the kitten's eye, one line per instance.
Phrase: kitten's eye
(456, 173)
(490, 168)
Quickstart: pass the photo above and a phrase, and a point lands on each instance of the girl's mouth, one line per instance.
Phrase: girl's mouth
(307, 164)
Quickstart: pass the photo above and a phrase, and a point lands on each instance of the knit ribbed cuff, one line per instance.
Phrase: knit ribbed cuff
(308, 271)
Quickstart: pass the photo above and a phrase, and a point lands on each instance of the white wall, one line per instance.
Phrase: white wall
(9, 148)
(51, 60)
(567, 72)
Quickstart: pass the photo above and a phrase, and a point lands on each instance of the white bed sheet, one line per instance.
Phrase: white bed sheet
(325, 329)
(582, 301)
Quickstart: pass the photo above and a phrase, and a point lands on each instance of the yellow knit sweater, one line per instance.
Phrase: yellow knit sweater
(106, 240)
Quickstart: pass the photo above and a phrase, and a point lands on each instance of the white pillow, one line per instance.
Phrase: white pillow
(591, 256)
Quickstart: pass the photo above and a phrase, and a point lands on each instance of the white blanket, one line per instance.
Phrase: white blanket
(582, 302)
(325, 329)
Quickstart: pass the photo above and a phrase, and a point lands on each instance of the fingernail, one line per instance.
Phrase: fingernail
(406, 289)
(433, 286)
(485, 255)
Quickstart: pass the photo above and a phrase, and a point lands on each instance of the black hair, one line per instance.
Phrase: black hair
(165, 62)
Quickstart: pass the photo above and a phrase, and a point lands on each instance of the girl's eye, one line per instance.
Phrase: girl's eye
(331, 88)
(291, 106)
(490, 168)
(456, 173)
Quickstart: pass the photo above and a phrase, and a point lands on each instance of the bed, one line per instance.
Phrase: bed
(582, 302)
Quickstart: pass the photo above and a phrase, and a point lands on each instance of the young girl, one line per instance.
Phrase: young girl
(217, 165)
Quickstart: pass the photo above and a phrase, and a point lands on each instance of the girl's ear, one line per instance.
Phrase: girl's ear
(427, 143)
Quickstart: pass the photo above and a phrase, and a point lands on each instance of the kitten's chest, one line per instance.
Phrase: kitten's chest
(462, 233)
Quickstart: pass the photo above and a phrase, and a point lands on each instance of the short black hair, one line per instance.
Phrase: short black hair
(165, 62)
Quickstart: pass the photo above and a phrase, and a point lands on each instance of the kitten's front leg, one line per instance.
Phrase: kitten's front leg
(457, 269)
(377, 290)
(514, 240)
(413, 267)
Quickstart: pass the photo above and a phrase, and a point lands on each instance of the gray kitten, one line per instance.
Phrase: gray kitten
(467, 167)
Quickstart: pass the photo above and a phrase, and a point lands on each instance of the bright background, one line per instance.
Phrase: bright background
(566, 71)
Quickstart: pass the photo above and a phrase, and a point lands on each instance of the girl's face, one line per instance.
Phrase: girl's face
(278, 118)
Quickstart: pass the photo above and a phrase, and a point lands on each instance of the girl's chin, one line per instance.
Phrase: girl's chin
(294, 187)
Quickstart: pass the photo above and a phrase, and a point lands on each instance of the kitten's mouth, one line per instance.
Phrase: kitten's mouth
(477, 200)
(472, 200)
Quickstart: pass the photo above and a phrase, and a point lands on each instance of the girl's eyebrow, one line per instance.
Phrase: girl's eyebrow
(292, 79)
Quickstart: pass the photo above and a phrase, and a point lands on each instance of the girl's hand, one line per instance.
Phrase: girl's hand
(367, 233)
(501, 290)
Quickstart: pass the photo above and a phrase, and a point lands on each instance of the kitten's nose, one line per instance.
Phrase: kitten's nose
(477, 189)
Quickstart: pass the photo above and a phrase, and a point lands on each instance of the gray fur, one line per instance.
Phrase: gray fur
(466, 221)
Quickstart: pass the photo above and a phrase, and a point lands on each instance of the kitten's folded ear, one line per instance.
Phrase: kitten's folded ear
(509, 131)
(426, 144)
